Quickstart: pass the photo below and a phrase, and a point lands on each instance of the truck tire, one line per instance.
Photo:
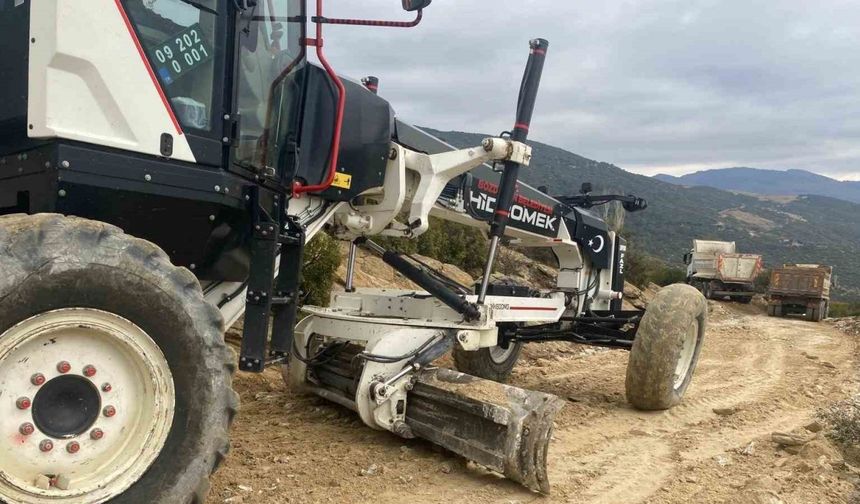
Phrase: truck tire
(707, 290)
(816, 314)
(494, 363)
(666, 349)
(771, 310)
(745, 299)
(119, 365)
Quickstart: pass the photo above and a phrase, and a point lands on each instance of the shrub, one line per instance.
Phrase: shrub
(322, 258)
(844, 420)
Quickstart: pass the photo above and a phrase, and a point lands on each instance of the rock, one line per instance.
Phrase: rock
(780, 462)
(245, 488)
(236, 499)
(370, 471)
(723, 460)
(814, 427)
(446, 468)
(748, 449)
(691, 479)
(639, 433)
(828, 364)
(803, 467)
(818, 448)
(726, 411)
(810, 356)
(787, 439)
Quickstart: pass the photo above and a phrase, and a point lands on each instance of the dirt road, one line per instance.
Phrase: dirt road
(760, 375)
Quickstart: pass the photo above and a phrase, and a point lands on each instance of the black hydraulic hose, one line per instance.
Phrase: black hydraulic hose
(426, 281)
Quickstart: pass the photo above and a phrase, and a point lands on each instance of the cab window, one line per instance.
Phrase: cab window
(179, 39)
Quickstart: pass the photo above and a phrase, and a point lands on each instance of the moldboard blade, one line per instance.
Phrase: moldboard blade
(504, 428)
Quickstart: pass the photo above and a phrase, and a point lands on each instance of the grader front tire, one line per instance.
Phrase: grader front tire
(101, 314)
(666, 349)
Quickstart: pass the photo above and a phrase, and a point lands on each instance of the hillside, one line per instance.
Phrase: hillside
(773, 182)
(788, 229)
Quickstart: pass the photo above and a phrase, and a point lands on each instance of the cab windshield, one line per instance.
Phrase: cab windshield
(269, 86)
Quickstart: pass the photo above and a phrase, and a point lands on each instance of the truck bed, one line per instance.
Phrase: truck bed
(809, 281)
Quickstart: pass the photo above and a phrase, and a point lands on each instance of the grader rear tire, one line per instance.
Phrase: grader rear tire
(666, 349)
(90, 313)
(494, 363)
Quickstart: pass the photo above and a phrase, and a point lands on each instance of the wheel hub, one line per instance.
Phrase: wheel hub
(90, 404)
(66, 406)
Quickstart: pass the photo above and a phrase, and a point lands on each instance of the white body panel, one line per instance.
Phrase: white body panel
(88, 82)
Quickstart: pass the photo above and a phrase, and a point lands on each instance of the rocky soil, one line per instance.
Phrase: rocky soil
(746, 432)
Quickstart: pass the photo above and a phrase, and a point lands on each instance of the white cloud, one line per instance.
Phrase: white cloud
(650, 85)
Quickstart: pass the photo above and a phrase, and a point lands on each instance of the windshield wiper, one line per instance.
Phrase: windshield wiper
(200, 6)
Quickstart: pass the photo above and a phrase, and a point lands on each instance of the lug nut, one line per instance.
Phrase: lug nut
(23, 403)
(73, 447)
(109, 411)
(37, 379)
(64, 367)
(46, 445)
(26, 429)
(97, 434)
(106, 387)
(89, 371)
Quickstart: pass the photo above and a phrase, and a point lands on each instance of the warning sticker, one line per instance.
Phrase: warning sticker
(342, 180)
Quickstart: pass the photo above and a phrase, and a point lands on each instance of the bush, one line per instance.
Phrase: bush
(322, 259)
(762, 281)
(844, 420)
(643, 269)
(449, 242)
(838, 310)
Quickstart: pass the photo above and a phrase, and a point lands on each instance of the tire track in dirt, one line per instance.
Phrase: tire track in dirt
(603, 451)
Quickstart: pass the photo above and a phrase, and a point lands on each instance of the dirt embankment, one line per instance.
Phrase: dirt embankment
(757, 376)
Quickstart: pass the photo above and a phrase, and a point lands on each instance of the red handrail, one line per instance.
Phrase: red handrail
(298, 187)
(319, 20)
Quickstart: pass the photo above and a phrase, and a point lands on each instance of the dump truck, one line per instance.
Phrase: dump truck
(718, 271)
(800, 289)
(163, 164)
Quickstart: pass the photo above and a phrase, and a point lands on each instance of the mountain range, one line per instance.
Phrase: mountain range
(785, 229)
(769, 182)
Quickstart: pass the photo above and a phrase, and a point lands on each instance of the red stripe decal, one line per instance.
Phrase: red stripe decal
(502, 212)
(152, 75)
(532, 308)
(538, 51)
(521, 126)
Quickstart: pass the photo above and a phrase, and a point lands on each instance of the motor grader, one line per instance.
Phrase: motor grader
(163, 164)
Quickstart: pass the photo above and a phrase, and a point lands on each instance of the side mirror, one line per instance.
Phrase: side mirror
(586, 188)
(414, 5)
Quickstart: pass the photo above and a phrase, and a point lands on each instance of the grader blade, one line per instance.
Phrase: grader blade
(504, 428)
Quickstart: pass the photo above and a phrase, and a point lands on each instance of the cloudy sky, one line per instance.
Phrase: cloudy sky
(651, 85)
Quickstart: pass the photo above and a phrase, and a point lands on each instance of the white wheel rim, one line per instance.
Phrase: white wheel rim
(685, 359)
(141, 393)
(499, 355)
